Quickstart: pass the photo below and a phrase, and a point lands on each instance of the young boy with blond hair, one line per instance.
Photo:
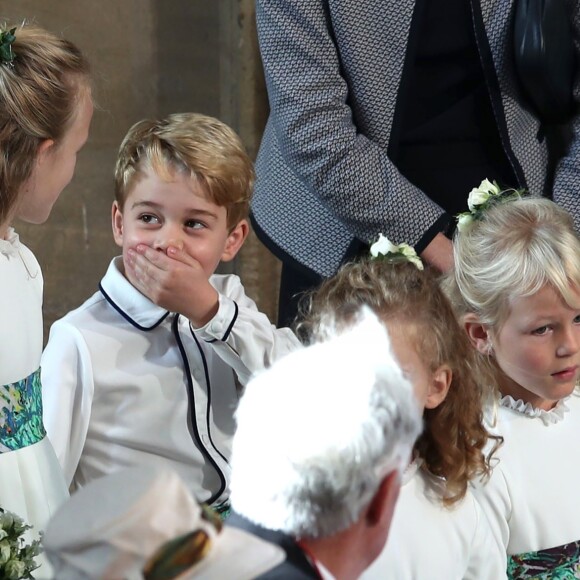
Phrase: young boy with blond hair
(149, 369)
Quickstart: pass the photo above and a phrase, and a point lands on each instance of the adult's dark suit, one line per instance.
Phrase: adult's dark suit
(295, 567)
(333, 71)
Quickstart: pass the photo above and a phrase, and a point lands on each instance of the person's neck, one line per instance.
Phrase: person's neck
(4, 230)
(342, 554)
(509, 387)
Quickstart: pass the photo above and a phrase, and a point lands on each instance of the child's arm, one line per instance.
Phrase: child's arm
(494, 498)
(240, 334)
(488, 558)
(219, 311)
(67, 394)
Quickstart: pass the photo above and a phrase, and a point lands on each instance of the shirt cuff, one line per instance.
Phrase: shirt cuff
(439, 227)
(220, 326)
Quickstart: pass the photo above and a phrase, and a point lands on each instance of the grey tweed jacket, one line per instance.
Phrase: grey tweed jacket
(333, 69)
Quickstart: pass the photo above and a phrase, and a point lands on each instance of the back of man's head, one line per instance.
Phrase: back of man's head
(320, 430)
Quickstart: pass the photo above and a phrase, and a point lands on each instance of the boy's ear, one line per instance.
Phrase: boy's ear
(235, 240)
(439, 387)
(117, 223)
(478, 333)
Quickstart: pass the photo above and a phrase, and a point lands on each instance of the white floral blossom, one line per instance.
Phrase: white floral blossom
(17, 558)
(464, 220)
(411, 255)
(479, 195)
(383, 246)
(15, 569)
(4, 551)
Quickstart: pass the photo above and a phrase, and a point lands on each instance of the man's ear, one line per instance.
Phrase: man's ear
(235, 240)
(117, 223)
(439, 387)
(383, 503)
(478, 333)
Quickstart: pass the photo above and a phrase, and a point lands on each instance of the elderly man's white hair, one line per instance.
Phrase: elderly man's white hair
(318, 432)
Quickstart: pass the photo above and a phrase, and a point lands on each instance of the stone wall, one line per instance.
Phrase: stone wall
(149, 59)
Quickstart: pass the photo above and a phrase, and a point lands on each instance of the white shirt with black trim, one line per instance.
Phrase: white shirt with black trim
(126, 383)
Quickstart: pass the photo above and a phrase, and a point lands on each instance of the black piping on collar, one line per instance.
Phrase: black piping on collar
(127, 317)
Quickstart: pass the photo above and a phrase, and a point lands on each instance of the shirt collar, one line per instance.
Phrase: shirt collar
(135, 307)
(325, 574)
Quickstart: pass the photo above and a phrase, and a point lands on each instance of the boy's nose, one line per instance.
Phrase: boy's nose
(164, 242)
(570, 343)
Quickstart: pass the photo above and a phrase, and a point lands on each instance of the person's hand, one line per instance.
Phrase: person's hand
(173, 280)
(439, 253)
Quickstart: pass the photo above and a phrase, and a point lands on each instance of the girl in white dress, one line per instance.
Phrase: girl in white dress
(517, 287)
(438, 531)
(45, 112)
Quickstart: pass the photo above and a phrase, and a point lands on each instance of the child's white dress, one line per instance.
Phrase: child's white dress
(31, 481)
(429, 541)
(531, 498)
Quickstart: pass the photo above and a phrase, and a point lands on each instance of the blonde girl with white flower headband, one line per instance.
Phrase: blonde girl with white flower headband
(516, 288)
(439, 530)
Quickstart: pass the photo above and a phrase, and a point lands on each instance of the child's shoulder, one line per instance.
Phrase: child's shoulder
(85, 311)
(226, 283)
(427, 491)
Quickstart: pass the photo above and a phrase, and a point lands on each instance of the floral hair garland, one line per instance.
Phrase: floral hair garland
(383, 249)
(481, 199)
(7, 56)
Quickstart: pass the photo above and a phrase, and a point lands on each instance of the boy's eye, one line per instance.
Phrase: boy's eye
(148, 218)
(541, 330)
(577, 319)
(194, 224)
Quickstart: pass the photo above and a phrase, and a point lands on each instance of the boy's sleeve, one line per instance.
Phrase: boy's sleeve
(240, 334)
(67, 394)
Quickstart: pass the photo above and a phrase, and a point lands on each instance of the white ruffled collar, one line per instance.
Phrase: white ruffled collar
(10, 246)
(550, 417)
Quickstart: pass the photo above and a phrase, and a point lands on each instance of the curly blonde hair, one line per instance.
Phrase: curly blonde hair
(452, 443)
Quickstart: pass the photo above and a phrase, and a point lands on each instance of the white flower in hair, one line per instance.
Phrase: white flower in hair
(479, 195)
(464, 220)
(383, 248)
(481, 199)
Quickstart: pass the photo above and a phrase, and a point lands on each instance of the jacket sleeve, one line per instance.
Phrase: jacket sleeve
(565, 189)
(67, 394)
(316, 130)
(240, 334)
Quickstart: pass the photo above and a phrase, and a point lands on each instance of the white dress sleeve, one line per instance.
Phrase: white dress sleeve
(494, 498)
(68, 388)
(240, 334)
(488, 558)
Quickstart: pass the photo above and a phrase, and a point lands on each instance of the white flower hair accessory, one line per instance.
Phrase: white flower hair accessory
(384, 249)
(481, 199)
